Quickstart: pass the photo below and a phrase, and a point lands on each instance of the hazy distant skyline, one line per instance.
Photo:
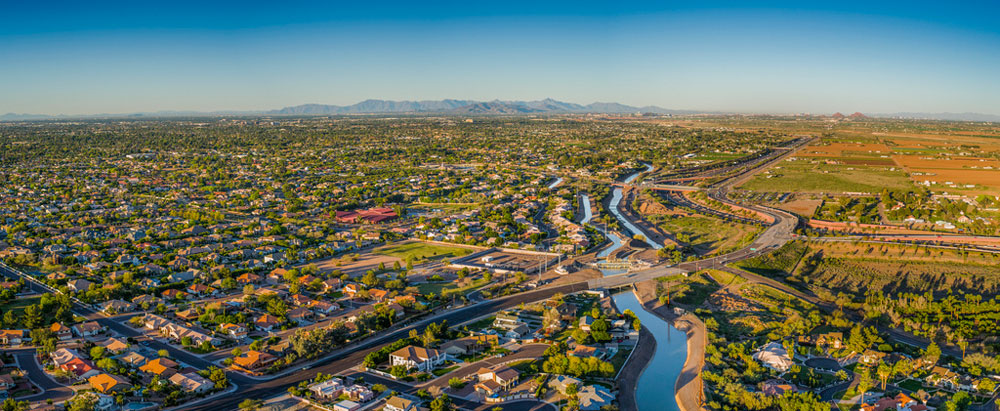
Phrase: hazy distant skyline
(723, 56)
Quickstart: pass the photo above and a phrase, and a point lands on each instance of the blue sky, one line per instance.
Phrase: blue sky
(118, 57)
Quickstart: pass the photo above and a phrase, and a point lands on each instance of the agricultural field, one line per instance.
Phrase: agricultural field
(810, 175)
(867, 156)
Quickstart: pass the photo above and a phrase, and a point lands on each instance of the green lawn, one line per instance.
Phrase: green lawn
(618, 360)
(442, 371)
(416, 250)
(448, 287)
(912, 385)
(17, 305)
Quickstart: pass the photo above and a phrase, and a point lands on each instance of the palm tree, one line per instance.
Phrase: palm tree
(884, 373)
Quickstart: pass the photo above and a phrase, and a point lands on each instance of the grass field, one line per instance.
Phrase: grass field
(445, 288)
(724, 278)
(802, 175)
(17, 305)
(417, 250)
(707, 235)
(693, 290)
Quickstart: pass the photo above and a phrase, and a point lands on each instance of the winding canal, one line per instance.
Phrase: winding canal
(655, 388)
(616, 199)
(556, 183)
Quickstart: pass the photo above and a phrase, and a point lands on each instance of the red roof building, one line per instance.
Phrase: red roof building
(370, 216)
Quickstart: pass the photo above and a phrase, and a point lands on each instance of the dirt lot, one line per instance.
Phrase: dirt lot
(801, 207)
(839, 149)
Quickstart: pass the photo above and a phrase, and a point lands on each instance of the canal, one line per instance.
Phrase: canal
(655, 388)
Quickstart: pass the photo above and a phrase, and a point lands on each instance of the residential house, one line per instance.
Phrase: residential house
(328, 389)
(114, 345)
(377, 295)
(253, 360)
(502, 378)
(267, 322)
(173, 294)
(774, 356)
(776, 388)
(301, 315)
(81, 368)
(88, 329)
(63, 356)
(423, 359)
(351, 290)
(61, 332)
(346, 405)
(133, 359)
(79, 285)
(163, 367)
(248, 278)
(593, 397)
(359, 393)
(235, 330)
(192, 383)
(584, 351)
(116, 307)
(397, 403)
(107, 383)
(462, 346)
(13, 337)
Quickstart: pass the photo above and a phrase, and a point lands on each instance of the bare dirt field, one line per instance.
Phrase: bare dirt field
(839, 149)
(802, 206)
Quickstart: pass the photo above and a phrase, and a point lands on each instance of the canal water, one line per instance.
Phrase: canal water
(616, 199)
(655, 389)
(556, 183)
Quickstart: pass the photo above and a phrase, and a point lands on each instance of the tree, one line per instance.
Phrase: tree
(442, 403)
(10, 404)
(865, 382)
(250, 404)
(398, 371)
(884, 373)
(933, 353)
(456, 383)
(83, 402)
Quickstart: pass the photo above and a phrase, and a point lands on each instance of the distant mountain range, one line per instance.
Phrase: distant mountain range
(471, 107)
(457, 107)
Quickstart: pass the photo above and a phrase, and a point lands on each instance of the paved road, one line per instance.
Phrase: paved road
(352, 356)
(526, 352)
(25, 358)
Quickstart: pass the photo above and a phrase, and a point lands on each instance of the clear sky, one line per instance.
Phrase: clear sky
(779, 56)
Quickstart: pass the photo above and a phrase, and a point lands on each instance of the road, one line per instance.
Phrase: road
(337, 362)
(26, 361)
(349, 357)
